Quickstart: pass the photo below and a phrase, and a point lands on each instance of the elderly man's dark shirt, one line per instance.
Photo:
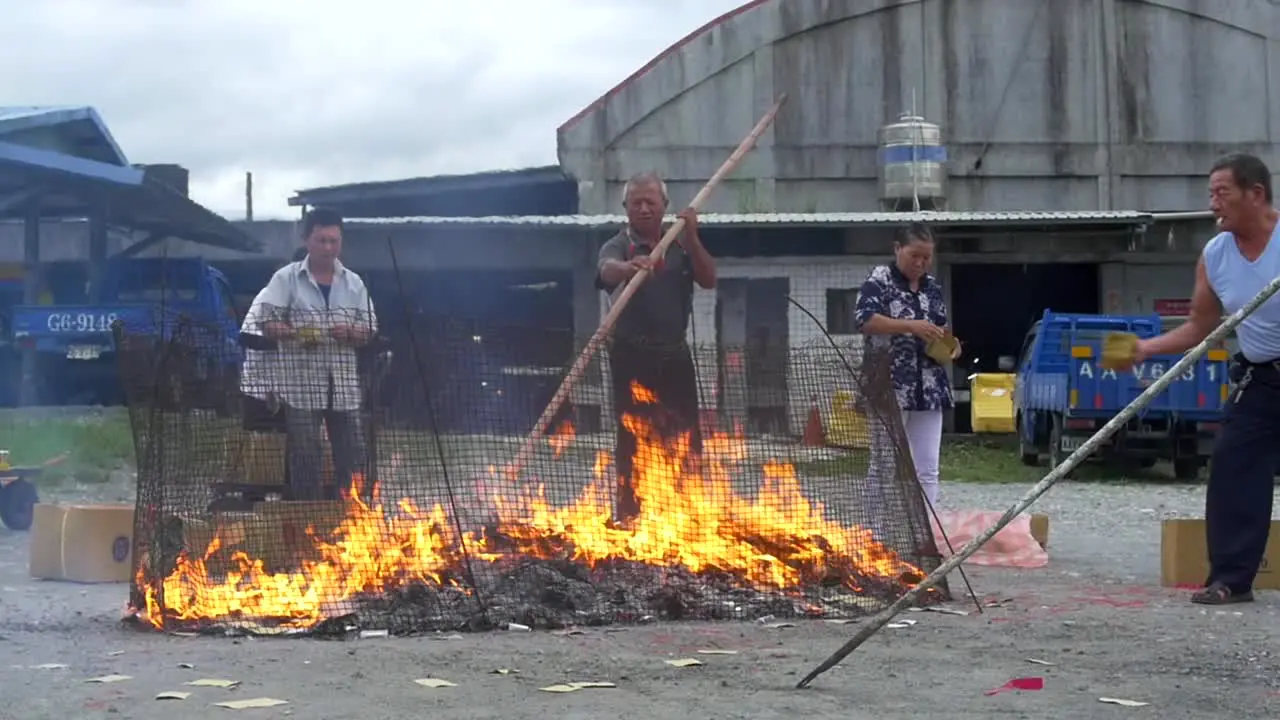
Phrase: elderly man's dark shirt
(659, 311)
(920, 382)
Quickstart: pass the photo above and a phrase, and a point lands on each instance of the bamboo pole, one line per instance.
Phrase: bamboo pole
(1056, 474)
(628, 290)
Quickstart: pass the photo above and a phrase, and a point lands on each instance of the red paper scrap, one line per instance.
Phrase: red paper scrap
(1026, 683)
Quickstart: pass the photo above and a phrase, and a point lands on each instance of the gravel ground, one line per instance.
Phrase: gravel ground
(1096, 612)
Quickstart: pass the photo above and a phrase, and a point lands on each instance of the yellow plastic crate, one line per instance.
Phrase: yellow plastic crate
(991, 403)
(847, 427)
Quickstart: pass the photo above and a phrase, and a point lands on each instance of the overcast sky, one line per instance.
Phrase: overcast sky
(306, 94)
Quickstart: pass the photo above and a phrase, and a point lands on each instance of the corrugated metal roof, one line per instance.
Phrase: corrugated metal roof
(431, 184)
(14, 112)
(71, 184)
(813, 219)
(79, 124)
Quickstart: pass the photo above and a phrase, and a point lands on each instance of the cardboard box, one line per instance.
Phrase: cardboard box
(1040, 528)
(1184, 556)
(286, 524)
(236, 532)
(82, 543)
(255, 458)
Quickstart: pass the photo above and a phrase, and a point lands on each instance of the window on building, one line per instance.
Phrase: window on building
(842, 311)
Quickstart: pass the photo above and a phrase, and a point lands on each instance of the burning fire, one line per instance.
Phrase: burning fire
(562, 438)
(778, 541)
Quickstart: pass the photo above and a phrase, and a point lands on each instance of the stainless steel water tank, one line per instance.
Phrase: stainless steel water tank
(912, 164)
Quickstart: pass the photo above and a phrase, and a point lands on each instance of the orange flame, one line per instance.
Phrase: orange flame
(642, 395)
(562, 438)
(779, 540)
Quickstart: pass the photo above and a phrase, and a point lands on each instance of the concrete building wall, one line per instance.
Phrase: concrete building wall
(416, 246)
(1130, 283)
(812, 368)
(1139, 286)
(1087, 104)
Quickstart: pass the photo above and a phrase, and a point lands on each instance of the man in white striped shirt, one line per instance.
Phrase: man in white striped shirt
(263, 411)
(319, 312)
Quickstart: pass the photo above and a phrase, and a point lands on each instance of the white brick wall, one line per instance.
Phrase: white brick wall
(814, 365)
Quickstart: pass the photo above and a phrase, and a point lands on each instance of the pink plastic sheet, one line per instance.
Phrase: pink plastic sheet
(1012, 547)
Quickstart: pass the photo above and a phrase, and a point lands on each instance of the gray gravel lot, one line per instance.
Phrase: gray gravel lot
(1097, 612)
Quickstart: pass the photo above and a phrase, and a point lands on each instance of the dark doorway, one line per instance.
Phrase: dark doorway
(768, 350)
(993, 306)
(754, 350)
(488, 348)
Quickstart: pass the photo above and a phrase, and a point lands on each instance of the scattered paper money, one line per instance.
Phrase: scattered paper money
(213, 682)
(109, 679)
(173, 695)
(1123, 702)
(714, 651)
(434, 683)
(250, 703)
(684, 662)
(576, 686)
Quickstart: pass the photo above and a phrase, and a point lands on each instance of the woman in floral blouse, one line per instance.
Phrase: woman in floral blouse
(900, 310)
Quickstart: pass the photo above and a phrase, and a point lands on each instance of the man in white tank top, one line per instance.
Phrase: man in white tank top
(1233, 267)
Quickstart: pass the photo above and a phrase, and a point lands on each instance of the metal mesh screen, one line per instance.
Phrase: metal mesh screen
(325, 486)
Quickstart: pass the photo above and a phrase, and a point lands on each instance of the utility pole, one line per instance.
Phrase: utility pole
(248, 196)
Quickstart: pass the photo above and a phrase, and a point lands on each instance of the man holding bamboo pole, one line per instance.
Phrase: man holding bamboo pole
(648, 346)
(1234, 267)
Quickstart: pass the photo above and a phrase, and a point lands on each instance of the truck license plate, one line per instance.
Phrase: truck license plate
(1071, 444)
(83, 352)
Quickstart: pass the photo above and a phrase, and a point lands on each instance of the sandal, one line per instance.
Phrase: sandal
(1219, 594)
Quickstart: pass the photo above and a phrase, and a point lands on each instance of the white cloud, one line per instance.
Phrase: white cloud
(307, 94)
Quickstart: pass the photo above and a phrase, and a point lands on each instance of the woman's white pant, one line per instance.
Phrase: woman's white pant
(924, 434)
(924, 437)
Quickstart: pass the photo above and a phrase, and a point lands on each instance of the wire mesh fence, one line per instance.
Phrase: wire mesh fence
(342, 478)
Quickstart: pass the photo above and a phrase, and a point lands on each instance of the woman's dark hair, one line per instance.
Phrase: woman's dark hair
(912, 232)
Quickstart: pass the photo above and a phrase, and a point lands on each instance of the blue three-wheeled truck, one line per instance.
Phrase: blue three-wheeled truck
(1062, 396)
(153, 298)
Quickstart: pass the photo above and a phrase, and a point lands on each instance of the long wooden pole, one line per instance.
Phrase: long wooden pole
(579, 366)
(1055, 475)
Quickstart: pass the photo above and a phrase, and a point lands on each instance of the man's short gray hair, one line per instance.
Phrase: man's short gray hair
(645, 178)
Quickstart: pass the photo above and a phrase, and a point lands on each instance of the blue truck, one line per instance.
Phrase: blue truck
(148, 296)
(1062, 396)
